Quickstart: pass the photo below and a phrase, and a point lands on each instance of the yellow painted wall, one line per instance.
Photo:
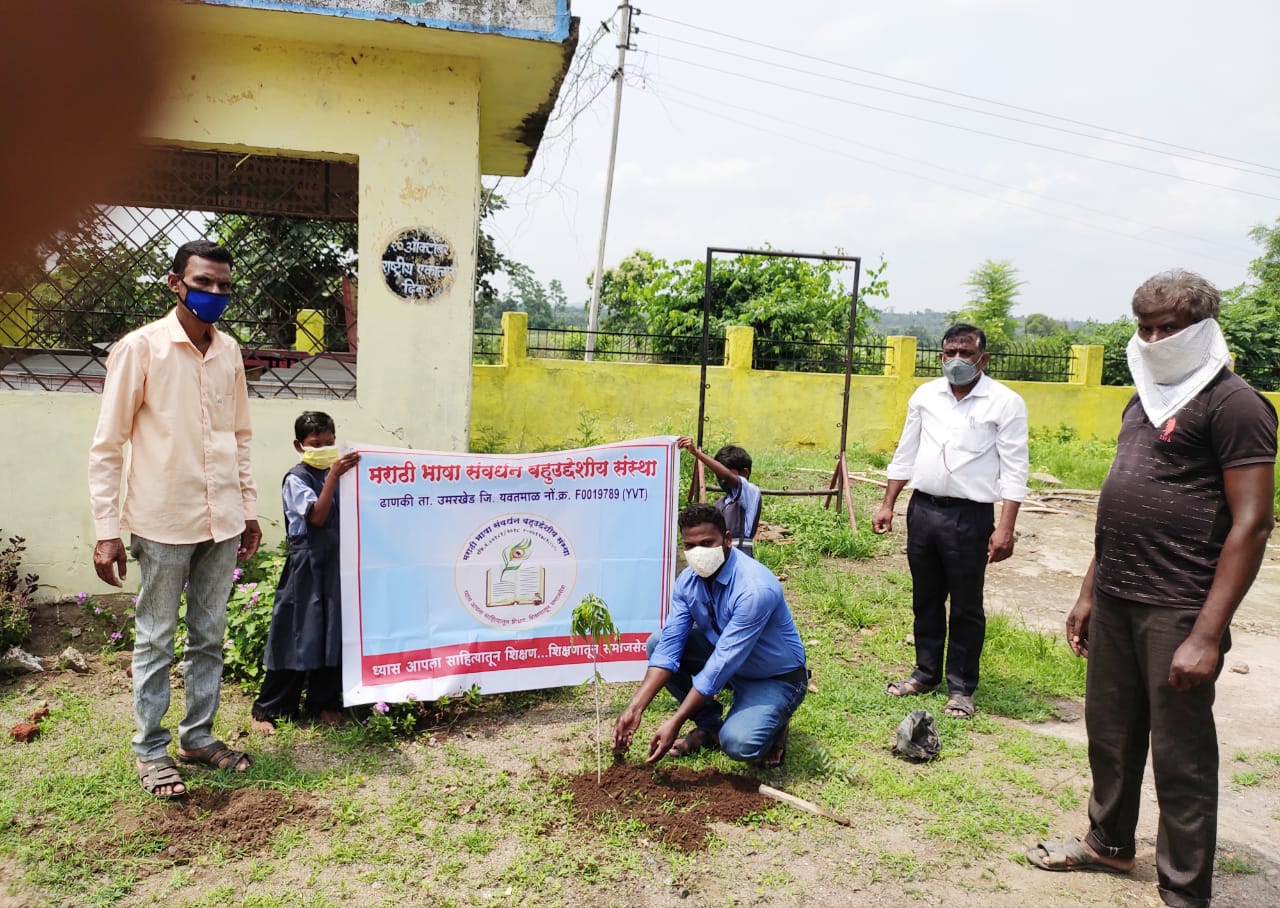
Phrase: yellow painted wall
(412, 123)
(538, 403)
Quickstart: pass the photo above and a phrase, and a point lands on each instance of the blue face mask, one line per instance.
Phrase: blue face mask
(208, 307)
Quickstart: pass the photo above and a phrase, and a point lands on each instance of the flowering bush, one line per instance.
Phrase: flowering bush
(253, 594)
(16, 591)
(117, 630)
(388, 721)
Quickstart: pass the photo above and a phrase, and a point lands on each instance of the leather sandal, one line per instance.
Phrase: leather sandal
(160, 773)
(217, 756)
(908, 687)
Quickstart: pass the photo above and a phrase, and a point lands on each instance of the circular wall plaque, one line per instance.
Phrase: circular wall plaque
(418, 264)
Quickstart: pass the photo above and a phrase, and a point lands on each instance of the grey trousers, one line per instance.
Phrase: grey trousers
(205, 571)
(1128, 699)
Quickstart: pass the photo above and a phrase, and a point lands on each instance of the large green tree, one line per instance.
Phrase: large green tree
(489, 264)
(1250, 316)
(786, 300)
(993, 292)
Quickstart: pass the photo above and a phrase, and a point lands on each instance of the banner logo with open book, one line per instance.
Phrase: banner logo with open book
(516, 572)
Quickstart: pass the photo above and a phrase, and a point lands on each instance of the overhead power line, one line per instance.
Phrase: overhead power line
(976, 110)
(791, 137)
(969, 129)
(681, 90)
(961, 94)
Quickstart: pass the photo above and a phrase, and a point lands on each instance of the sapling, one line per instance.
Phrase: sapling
(592, 622)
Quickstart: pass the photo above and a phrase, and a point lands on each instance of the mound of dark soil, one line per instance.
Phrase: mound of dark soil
(241, 822)
(678, 804)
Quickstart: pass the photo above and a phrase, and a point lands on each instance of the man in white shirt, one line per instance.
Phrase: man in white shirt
(963, 447)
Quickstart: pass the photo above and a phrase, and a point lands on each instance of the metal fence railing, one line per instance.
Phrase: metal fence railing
(1035, 361)
(617, 346)
(486, 348)
(782, 355)
(291, 229)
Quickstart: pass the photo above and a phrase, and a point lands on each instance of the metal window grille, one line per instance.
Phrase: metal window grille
(619, 346)
(784, 355)
(1035, 361)
(290, 225)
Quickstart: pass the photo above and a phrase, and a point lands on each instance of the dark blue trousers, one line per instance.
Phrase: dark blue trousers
(947, 553)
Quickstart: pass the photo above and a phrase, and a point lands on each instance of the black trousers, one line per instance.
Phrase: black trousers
(281, 694)
(947, 553)
(1128, 698)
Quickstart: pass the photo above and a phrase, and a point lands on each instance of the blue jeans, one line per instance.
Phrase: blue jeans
(206, 569)
(760, 710)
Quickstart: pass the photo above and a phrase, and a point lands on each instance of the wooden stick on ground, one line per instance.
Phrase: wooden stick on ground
(802, 804)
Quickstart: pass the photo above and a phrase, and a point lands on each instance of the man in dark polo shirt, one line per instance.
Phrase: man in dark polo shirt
(1183, 522)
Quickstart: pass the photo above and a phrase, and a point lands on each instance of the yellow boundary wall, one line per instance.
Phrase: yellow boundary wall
(531, 404)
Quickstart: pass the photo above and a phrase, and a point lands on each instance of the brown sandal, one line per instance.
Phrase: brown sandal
(959, 706)
(160, 773)
(217, 756)
(908, 687)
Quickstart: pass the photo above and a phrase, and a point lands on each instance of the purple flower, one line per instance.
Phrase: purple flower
(116, 636)
(382, 707)
(135, 600)
(97, 610)
(253, 600)
(237, 574)
(81, 598)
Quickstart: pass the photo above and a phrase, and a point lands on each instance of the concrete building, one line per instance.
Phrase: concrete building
(416, 100)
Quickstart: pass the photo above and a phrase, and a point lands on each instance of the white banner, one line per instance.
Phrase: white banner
(465, 569)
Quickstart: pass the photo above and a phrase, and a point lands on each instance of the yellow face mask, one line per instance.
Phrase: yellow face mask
(320, 458)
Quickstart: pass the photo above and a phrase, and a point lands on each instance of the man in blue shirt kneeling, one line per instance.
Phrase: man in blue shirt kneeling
(729, 626)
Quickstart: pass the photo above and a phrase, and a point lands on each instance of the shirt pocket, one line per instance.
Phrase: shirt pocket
(220, 400)
(975, 437)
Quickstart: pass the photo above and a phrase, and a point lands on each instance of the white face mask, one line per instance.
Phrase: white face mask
(1168, 373)
(705, 559)
(1171, 359)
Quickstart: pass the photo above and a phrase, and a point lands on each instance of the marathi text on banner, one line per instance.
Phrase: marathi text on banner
(462, 569)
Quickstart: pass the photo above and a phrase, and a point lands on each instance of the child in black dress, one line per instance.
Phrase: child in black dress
(304, 644)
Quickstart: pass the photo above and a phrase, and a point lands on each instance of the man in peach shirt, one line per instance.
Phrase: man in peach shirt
(175, 392)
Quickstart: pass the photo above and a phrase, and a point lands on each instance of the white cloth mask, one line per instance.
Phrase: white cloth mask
(705, 559)
(1169, 372)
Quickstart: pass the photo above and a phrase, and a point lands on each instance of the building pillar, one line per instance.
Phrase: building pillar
(900, 360)
(309, 337)
(515, 338)
(1086, 365)
(15, 320)
(739, 346)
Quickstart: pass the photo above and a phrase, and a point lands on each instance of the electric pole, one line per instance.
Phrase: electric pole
(624, 43)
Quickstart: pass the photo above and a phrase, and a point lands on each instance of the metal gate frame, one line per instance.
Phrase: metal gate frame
(839, 484)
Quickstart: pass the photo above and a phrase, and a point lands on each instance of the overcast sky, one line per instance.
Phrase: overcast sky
(713, 158)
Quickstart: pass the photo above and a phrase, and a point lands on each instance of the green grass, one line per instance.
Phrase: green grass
(472, 818)
(1077, 463)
